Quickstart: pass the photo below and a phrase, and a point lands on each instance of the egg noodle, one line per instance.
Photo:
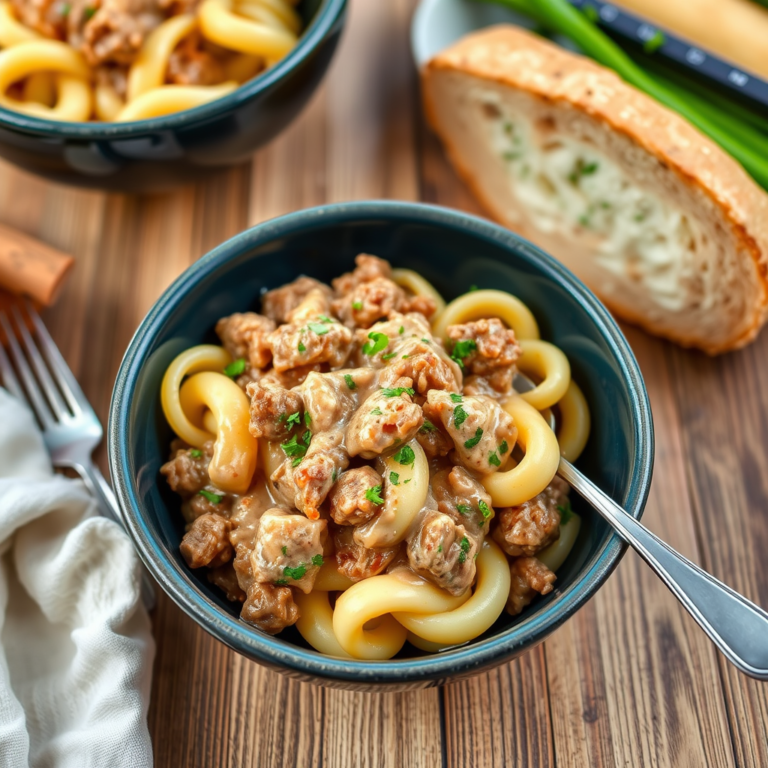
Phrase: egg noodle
(373, 618)
(53, 79)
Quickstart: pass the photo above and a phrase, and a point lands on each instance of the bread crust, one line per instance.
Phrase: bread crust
(513, 57)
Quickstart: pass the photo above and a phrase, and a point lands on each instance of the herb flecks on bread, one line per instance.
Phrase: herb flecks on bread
(666, 227)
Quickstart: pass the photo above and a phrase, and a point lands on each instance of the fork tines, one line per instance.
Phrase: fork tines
(32, 369)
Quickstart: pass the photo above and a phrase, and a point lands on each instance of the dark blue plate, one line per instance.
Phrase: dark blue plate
(453, 251)
(161, 152)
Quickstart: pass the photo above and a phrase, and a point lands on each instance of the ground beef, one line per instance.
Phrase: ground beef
(487, 348)
(535, 524)
(529, 576)
(292, 377)
(187, 470)
(383, 421)
(225, 578)
(270, 609)
(329, 400)
(434, 440)
(357, 562)
(288, 550)
(349, 504)
(272, 407)
(277, 304)
(190, 64)
(425, 362)
(316, 342)
(483, 433)
(368, 268)
(207, 542)
(443, 551)
(464, 499)
(317, 303)
(244, 335)
(316, 473)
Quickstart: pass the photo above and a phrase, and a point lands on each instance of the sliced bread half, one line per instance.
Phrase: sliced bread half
(659, 221)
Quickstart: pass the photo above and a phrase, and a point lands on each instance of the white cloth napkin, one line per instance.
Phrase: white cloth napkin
(76, 648)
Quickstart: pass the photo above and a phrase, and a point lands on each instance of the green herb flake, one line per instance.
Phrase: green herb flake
(654, 43)
(405, 482)
(295, 573)
(397, 391)
(405, 357)
(485, 510)
(335, 475)
(463, 349)
(405, 456)
(582, 169)
(493, 458)
(357, 305)
(374, 495)
(296, 447)
(297, 461)
(307, 418)
(88, 13)
(464, 509)
(293, 420)
(459, 416)
(65, 9)
(379, 341)
(301, 347)
(402, 330)
(285, 550)
(235, 368)
(319, 328)
(440, 548)
(503, 448)
(509, 156)
(195, 453)
(281, 583)
(465, 547)
(456, 398)
(317, 560)
(377, 412)
(472, 442)
(394, 478)
(566, 512)
(350, 382)
(427, 426)
(389, 356)
(214, 498)
(473, 288)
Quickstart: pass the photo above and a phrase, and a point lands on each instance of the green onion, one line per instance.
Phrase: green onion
(214, 498)
(374, 495)
(235, 368)
(378, 342)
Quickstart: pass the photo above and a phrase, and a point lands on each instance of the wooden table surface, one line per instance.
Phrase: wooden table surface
(630, 680)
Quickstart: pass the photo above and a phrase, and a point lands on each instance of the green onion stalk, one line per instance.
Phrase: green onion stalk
(741, 140)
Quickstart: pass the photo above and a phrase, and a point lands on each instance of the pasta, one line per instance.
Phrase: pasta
(372, 476)
(157, 57)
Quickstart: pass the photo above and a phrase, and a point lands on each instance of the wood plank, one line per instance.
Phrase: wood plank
(724, 405)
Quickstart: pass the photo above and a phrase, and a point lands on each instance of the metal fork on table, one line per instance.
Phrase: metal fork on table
(71, 429)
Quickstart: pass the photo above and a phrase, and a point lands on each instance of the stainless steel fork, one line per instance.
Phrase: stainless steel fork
(71, 429)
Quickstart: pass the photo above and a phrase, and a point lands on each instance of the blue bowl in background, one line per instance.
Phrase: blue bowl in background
(162, 152)
(454, 251)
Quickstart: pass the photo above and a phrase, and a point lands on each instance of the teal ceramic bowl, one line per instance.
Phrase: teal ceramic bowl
(162, 152)
(453, 251)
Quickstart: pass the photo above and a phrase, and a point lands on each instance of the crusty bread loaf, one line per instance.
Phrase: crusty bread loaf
(659, 221)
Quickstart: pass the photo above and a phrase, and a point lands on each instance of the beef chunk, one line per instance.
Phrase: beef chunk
(325, 459)
(271, 407)
(244, 335)
(433, 439)
(367, 268)
(187, 470)
(349, 503)
(271, 609)
(357, 562)
(529, 576)
(464, 499)
(207, 542)
(225, 578)
(315, 342)
(278, 304)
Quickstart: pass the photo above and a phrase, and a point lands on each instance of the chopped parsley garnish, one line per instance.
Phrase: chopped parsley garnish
(378, 342)
(319, 328)
(405, 482)
(582, 169)
(485, 510)
(427, 341)
(503, 448)
(405, 357)
(374, 495)
(324, 319)
(301, 347)
(493, 458)
(293, 420)
(285, 550)
(473, 288)
(65, 9)
(389, 356)
(465, 547)
(459, 416)
(88, 12)
(317, 560)
(296, 461)
(566, 513)
(473, 441)
(296, 447)
(235, 368)
(350, 382)
(440, 548)
(397, 391)
(281, 583)
(307, 418)
(295, 573)
(195, 453)
(456, 398)
(214, 498)
(377, 412)
(463, 349)
(464, 509)
(427, 426)
(394, 478)
(405, 456)
(335, 475)
(402, 330)
(654, 43)
(357, 305)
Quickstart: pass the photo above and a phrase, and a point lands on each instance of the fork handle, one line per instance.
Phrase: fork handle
(738, 627)
(99, 486)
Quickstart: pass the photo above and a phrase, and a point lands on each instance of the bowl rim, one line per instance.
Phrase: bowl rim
(303, 662)
(326, 17)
